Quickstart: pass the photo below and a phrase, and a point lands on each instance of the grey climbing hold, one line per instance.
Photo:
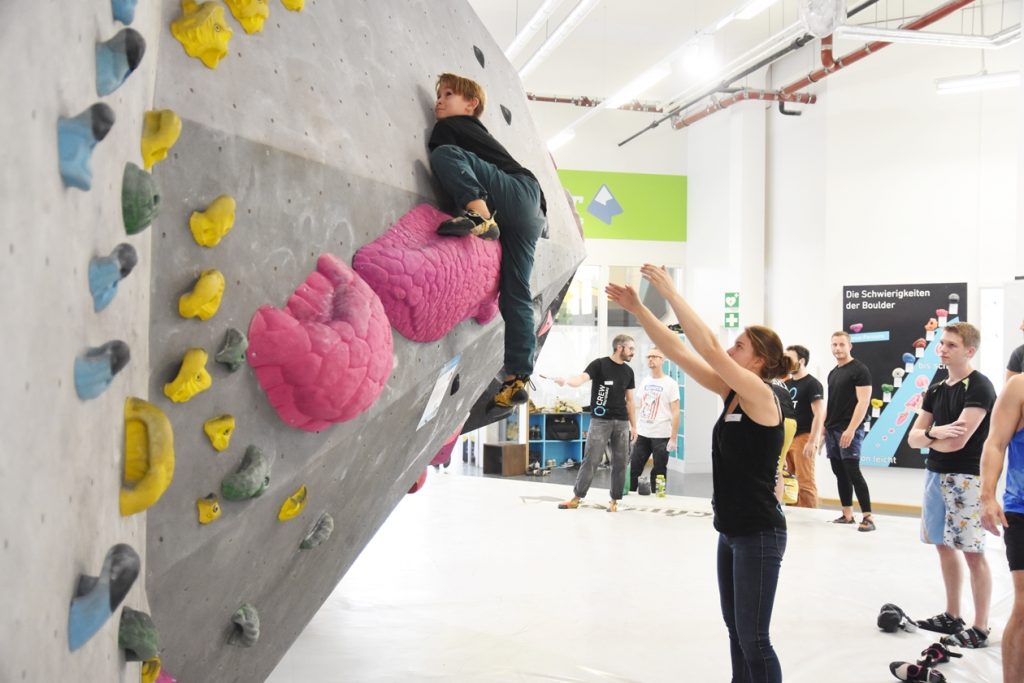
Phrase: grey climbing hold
(455, 386)
(320, 532)
(232, 349)
(251, 478)
(137, 636)
(479, 55)
(506, 113)
(247, 626)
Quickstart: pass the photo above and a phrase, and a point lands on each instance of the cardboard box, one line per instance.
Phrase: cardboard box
(506, 458)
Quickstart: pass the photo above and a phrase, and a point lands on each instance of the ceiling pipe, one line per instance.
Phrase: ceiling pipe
(584, 101)
(724, 85)
(826, 52)
(859, 54)
(742, 96)
(996, 41)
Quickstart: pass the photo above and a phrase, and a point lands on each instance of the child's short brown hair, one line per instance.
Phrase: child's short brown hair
(465, 87)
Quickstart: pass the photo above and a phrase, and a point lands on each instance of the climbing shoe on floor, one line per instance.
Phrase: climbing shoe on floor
(936, 653)
(905, 671)
(943, 623)
(891, 619)
(470, 223)
(513, 392)
(570, 504)
(972, 637)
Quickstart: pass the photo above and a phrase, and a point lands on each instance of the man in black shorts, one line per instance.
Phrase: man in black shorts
(1007, 433)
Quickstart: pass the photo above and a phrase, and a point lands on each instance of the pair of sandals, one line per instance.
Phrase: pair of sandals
(934, 654)
(866, 523)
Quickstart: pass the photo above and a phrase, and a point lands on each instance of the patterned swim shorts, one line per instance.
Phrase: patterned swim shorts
(951, 512)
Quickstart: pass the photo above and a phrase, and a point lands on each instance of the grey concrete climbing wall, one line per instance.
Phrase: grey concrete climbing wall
(317, 127)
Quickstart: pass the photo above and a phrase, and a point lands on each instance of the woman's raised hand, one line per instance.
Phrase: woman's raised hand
(624, 296)
(659, 279)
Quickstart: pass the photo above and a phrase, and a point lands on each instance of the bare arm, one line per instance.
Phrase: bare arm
(954, 436)
(668, 341)
(859, 411)
(577, 381)
(916, 437)
(1010, 374)
(817, 423)
(1007, 418)
(673, 439)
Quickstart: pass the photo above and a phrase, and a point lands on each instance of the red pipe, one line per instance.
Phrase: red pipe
(826, 52)
(855, 56)
(741, 96)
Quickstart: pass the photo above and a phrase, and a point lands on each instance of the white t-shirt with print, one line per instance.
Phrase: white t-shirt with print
(654, 409)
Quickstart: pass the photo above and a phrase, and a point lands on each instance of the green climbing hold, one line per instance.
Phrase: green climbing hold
(251, 478)
(137, 636)
(232, 349)
(140, 199)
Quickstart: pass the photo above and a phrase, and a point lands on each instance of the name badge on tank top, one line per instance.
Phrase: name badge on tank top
(733, 417)
(609, 382)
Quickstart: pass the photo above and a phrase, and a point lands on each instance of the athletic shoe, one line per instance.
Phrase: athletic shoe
(936, 653)
(943, 623)
(972, 638)
(513, 392)
(470, 223)
(905, 671)
(570, 504)
(843, 520)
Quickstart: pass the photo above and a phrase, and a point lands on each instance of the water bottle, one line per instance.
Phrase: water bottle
(659, 484)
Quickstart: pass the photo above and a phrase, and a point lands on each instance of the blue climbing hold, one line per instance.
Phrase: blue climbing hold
(124, 10)
(96, 597)
(117, 58)
(95, 369)
(105, 272)
(76, 138)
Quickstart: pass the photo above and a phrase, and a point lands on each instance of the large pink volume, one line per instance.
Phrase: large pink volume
(325, 357)
(429, 283)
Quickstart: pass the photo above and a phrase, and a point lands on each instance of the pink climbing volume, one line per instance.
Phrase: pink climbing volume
(325, 356)
(429, 283)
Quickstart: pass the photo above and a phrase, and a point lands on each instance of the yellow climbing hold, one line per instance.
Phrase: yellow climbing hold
(293, 507)
(219, 431)
(160, 130)
(203, 31)
(151, 670)
(192, 378)
(148, 455)
(210, 226)
(204, 299)
(293, 5)
(209, 508)
(250, 13)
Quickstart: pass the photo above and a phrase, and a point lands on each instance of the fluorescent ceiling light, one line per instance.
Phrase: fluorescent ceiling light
(561, 139)
(637, 86)
(578, 14)
(911, 37)
(977, 82)
(532, 26)
(753, 8)
(723, 22)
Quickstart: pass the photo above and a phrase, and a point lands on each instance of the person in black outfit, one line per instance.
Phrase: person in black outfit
(486, 184)
(807, 396)
(612, 419)
(746, 443)
(849, 394)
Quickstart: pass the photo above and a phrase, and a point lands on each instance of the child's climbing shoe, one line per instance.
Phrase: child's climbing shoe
(936, 653)
(470, 223)
(570, 504)
(943, 623)
(891, 619)
(905, 671)
(972, 637)
(513, 392)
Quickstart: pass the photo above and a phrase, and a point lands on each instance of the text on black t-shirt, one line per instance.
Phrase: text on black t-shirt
(609, 382)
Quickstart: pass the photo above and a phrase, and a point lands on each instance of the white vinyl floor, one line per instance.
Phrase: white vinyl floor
(479, 580)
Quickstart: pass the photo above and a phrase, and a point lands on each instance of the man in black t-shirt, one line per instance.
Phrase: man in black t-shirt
(612, 418)
(807, 397)
(953, 424)
(1015, 365)
(849, 393)
(486, 183)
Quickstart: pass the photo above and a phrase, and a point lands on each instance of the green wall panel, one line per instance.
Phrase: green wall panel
(629, 206)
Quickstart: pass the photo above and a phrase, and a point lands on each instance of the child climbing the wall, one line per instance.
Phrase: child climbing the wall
(491, 189)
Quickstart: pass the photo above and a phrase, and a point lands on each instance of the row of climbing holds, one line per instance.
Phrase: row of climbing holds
(203, 30)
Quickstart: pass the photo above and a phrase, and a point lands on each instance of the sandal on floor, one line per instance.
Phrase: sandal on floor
(905, 671)
(843, 520)
(866, 525)
(943, 623)
(936, 653)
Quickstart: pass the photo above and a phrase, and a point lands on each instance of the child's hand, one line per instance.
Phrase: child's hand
(659, 278)
(624, 296)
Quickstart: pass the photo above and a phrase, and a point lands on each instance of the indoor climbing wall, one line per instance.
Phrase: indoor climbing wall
(234, 342)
